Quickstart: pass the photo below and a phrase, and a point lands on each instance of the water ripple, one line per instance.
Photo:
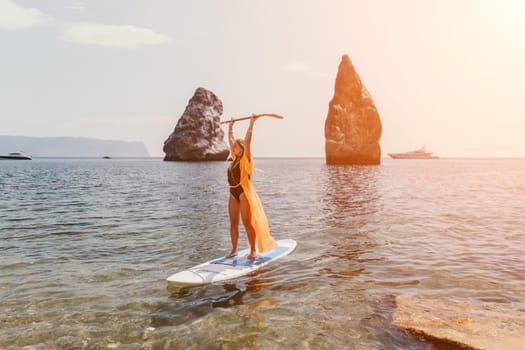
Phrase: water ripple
(86, 246)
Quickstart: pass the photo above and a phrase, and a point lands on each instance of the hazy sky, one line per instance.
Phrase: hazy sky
(448, 74)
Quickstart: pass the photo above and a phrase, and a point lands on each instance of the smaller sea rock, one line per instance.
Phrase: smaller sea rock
(198, 135)
(468, 323)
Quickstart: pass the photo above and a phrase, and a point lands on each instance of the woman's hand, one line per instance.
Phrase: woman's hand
(248, 137)
(253, 118)
(231, 139)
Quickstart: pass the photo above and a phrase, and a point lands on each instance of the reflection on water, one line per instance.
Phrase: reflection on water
(351, 195)
(352, 211)
(351, 206)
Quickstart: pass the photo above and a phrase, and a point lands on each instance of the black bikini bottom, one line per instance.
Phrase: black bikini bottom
(236, 192)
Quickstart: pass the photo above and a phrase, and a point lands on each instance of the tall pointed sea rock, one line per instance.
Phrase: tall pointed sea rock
(352, 127)
(198, 135)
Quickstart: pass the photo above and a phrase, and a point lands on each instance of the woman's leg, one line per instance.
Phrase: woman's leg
(234, 209)
(250, 230)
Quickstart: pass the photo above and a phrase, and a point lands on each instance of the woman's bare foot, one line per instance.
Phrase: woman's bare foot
(252, 255)
(231, 255)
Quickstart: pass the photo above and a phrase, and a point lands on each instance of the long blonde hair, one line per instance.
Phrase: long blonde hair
(240, 142)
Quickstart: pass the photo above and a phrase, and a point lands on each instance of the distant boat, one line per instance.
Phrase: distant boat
(421, 153)
(16, 155)
(106, 157)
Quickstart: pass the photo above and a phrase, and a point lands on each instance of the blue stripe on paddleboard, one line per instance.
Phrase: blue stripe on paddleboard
(244, 261)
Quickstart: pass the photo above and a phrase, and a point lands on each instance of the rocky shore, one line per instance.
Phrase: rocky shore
(470, 324)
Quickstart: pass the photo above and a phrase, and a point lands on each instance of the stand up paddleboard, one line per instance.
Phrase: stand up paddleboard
(223, 269)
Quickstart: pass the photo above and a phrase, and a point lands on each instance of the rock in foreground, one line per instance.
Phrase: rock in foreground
(198, 135)
(352, 127)
(472, 324)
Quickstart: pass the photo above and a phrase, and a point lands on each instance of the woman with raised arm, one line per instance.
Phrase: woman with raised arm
(244, 202)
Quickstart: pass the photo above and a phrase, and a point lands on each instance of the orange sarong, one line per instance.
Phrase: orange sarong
(263, 239)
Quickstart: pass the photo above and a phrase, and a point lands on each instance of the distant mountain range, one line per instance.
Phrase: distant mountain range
(71, 147)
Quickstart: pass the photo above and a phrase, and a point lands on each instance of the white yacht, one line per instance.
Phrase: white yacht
(16, 155)
(421, 153)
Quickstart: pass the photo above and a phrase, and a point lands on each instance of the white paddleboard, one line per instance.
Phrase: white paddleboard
(223, 269)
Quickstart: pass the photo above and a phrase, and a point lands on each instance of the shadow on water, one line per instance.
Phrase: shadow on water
(187, 304)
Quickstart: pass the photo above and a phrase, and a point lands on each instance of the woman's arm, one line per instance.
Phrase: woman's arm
(248, 138)
(231, 139)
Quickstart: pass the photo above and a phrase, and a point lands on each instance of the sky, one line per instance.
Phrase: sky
(448, 74)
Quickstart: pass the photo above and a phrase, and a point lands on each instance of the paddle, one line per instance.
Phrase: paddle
(256, 115)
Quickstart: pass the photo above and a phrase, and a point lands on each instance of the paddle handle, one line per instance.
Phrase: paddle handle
(256, 115)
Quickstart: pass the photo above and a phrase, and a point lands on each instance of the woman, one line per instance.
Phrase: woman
(244, 201)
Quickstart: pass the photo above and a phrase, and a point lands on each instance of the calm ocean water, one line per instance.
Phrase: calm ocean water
(86, 245)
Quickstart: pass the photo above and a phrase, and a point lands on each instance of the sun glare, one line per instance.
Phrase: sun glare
(512, 17)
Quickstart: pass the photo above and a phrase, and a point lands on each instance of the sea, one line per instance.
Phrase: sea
(86, 246)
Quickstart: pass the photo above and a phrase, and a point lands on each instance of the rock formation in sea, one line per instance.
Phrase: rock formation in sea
(467, 323)
(198, 135)
(352, 127)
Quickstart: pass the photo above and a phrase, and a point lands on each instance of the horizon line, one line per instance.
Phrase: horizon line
(275, 157)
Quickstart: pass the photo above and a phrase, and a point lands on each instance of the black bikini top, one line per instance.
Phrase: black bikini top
(234, 173)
